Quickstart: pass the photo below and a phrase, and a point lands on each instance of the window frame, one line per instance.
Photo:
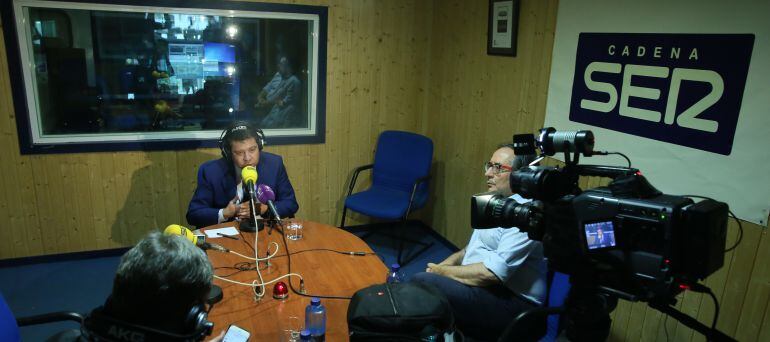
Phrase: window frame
(31, 139)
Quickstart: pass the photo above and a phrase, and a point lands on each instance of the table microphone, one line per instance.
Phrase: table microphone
(249, 176)
(266, 195)
(186, 233)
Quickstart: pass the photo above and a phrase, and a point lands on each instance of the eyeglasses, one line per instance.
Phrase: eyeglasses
(497, 168)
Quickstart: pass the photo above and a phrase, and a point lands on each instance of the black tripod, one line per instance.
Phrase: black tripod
(586, 317)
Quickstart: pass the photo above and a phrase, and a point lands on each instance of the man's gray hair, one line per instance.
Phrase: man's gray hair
(522, 161)
(518, 161)
(161, 272)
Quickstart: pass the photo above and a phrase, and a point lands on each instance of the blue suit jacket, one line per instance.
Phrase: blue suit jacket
(216, 187)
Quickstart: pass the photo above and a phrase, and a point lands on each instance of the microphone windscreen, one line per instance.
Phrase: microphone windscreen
(249, 174)
(175, 229)
(265, 193)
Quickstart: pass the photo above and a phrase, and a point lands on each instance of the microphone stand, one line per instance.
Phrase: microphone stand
(250, 225)
(279, 223)
(254, 213)
(275, 219)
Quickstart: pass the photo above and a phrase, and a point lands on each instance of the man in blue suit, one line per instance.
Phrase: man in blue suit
(219, 195)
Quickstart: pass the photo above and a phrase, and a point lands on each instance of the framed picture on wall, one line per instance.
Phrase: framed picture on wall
(503, 24)
(112, 75)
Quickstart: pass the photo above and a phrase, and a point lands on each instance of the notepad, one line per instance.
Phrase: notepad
(214, 233)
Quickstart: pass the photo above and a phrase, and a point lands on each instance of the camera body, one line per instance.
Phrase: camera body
(637, 249)
(626, 239)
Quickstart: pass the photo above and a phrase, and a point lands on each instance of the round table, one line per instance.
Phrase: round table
(324, 273)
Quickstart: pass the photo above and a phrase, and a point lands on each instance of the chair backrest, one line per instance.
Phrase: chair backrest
(557, 294)
(9, 331)
(400, 159)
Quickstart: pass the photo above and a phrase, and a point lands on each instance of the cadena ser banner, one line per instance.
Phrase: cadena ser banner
(685, 89)
(681, 87)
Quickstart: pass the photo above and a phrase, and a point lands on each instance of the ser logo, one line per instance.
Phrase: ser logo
(680, 88)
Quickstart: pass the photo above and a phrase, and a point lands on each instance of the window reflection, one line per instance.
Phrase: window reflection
(104, 71)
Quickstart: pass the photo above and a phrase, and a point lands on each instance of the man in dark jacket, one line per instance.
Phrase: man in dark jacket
(219, 195)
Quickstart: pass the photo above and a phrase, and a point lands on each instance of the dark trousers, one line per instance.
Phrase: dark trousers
(481, 313)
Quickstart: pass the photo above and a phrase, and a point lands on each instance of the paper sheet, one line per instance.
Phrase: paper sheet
(214, 233)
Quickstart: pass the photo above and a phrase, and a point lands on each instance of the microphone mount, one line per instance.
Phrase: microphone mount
(251, 225)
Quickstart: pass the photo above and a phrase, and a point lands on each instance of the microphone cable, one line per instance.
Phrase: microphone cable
(302, 281)
(268, 257)
(258, 285)
(242, 266)
(604, 153)
(329, 250)
(254, 266)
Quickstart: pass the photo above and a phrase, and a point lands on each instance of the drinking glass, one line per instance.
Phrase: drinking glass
(293, 229)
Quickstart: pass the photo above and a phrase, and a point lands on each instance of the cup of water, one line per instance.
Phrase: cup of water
(291, 327)
(293, 229)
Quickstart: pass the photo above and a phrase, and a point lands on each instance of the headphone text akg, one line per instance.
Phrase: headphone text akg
(99, 326)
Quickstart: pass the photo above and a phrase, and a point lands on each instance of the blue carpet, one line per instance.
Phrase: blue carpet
(386, 246)
(80, 282)
(73, 285)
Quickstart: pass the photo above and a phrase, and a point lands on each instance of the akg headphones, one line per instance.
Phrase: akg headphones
(224, 138)
(100, 326)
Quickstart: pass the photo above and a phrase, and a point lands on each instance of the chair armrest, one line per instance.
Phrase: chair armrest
(420, 180)
(417, 182)
(50, 318)
(414, 187)
(529, 325)
(355, 176)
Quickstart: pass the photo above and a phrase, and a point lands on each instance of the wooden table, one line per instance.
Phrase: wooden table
(324, 272)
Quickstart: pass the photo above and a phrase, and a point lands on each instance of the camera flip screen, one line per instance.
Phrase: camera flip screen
(600, 234)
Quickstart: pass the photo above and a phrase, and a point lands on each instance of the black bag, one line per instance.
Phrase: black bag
(399, 312)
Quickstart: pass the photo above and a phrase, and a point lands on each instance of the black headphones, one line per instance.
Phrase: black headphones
(100, 326)
(224, 138)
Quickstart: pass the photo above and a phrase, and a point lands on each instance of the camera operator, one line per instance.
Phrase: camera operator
(500, 273)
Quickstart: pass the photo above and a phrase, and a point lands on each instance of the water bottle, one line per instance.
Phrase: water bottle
(395, 275)
(315, 319)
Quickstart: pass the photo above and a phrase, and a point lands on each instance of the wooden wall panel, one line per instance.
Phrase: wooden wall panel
(377, 55)
(477, 101)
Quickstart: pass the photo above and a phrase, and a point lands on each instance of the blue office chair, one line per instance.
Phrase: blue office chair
(9, 330)
(400, 175)
(521, 328)
(557, 295)
(9, 326)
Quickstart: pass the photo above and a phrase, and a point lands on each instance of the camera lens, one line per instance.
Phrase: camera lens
(541, 183)
(491, 210)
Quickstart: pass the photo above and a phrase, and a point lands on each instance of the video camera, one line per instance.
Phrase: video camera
(624, 240)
